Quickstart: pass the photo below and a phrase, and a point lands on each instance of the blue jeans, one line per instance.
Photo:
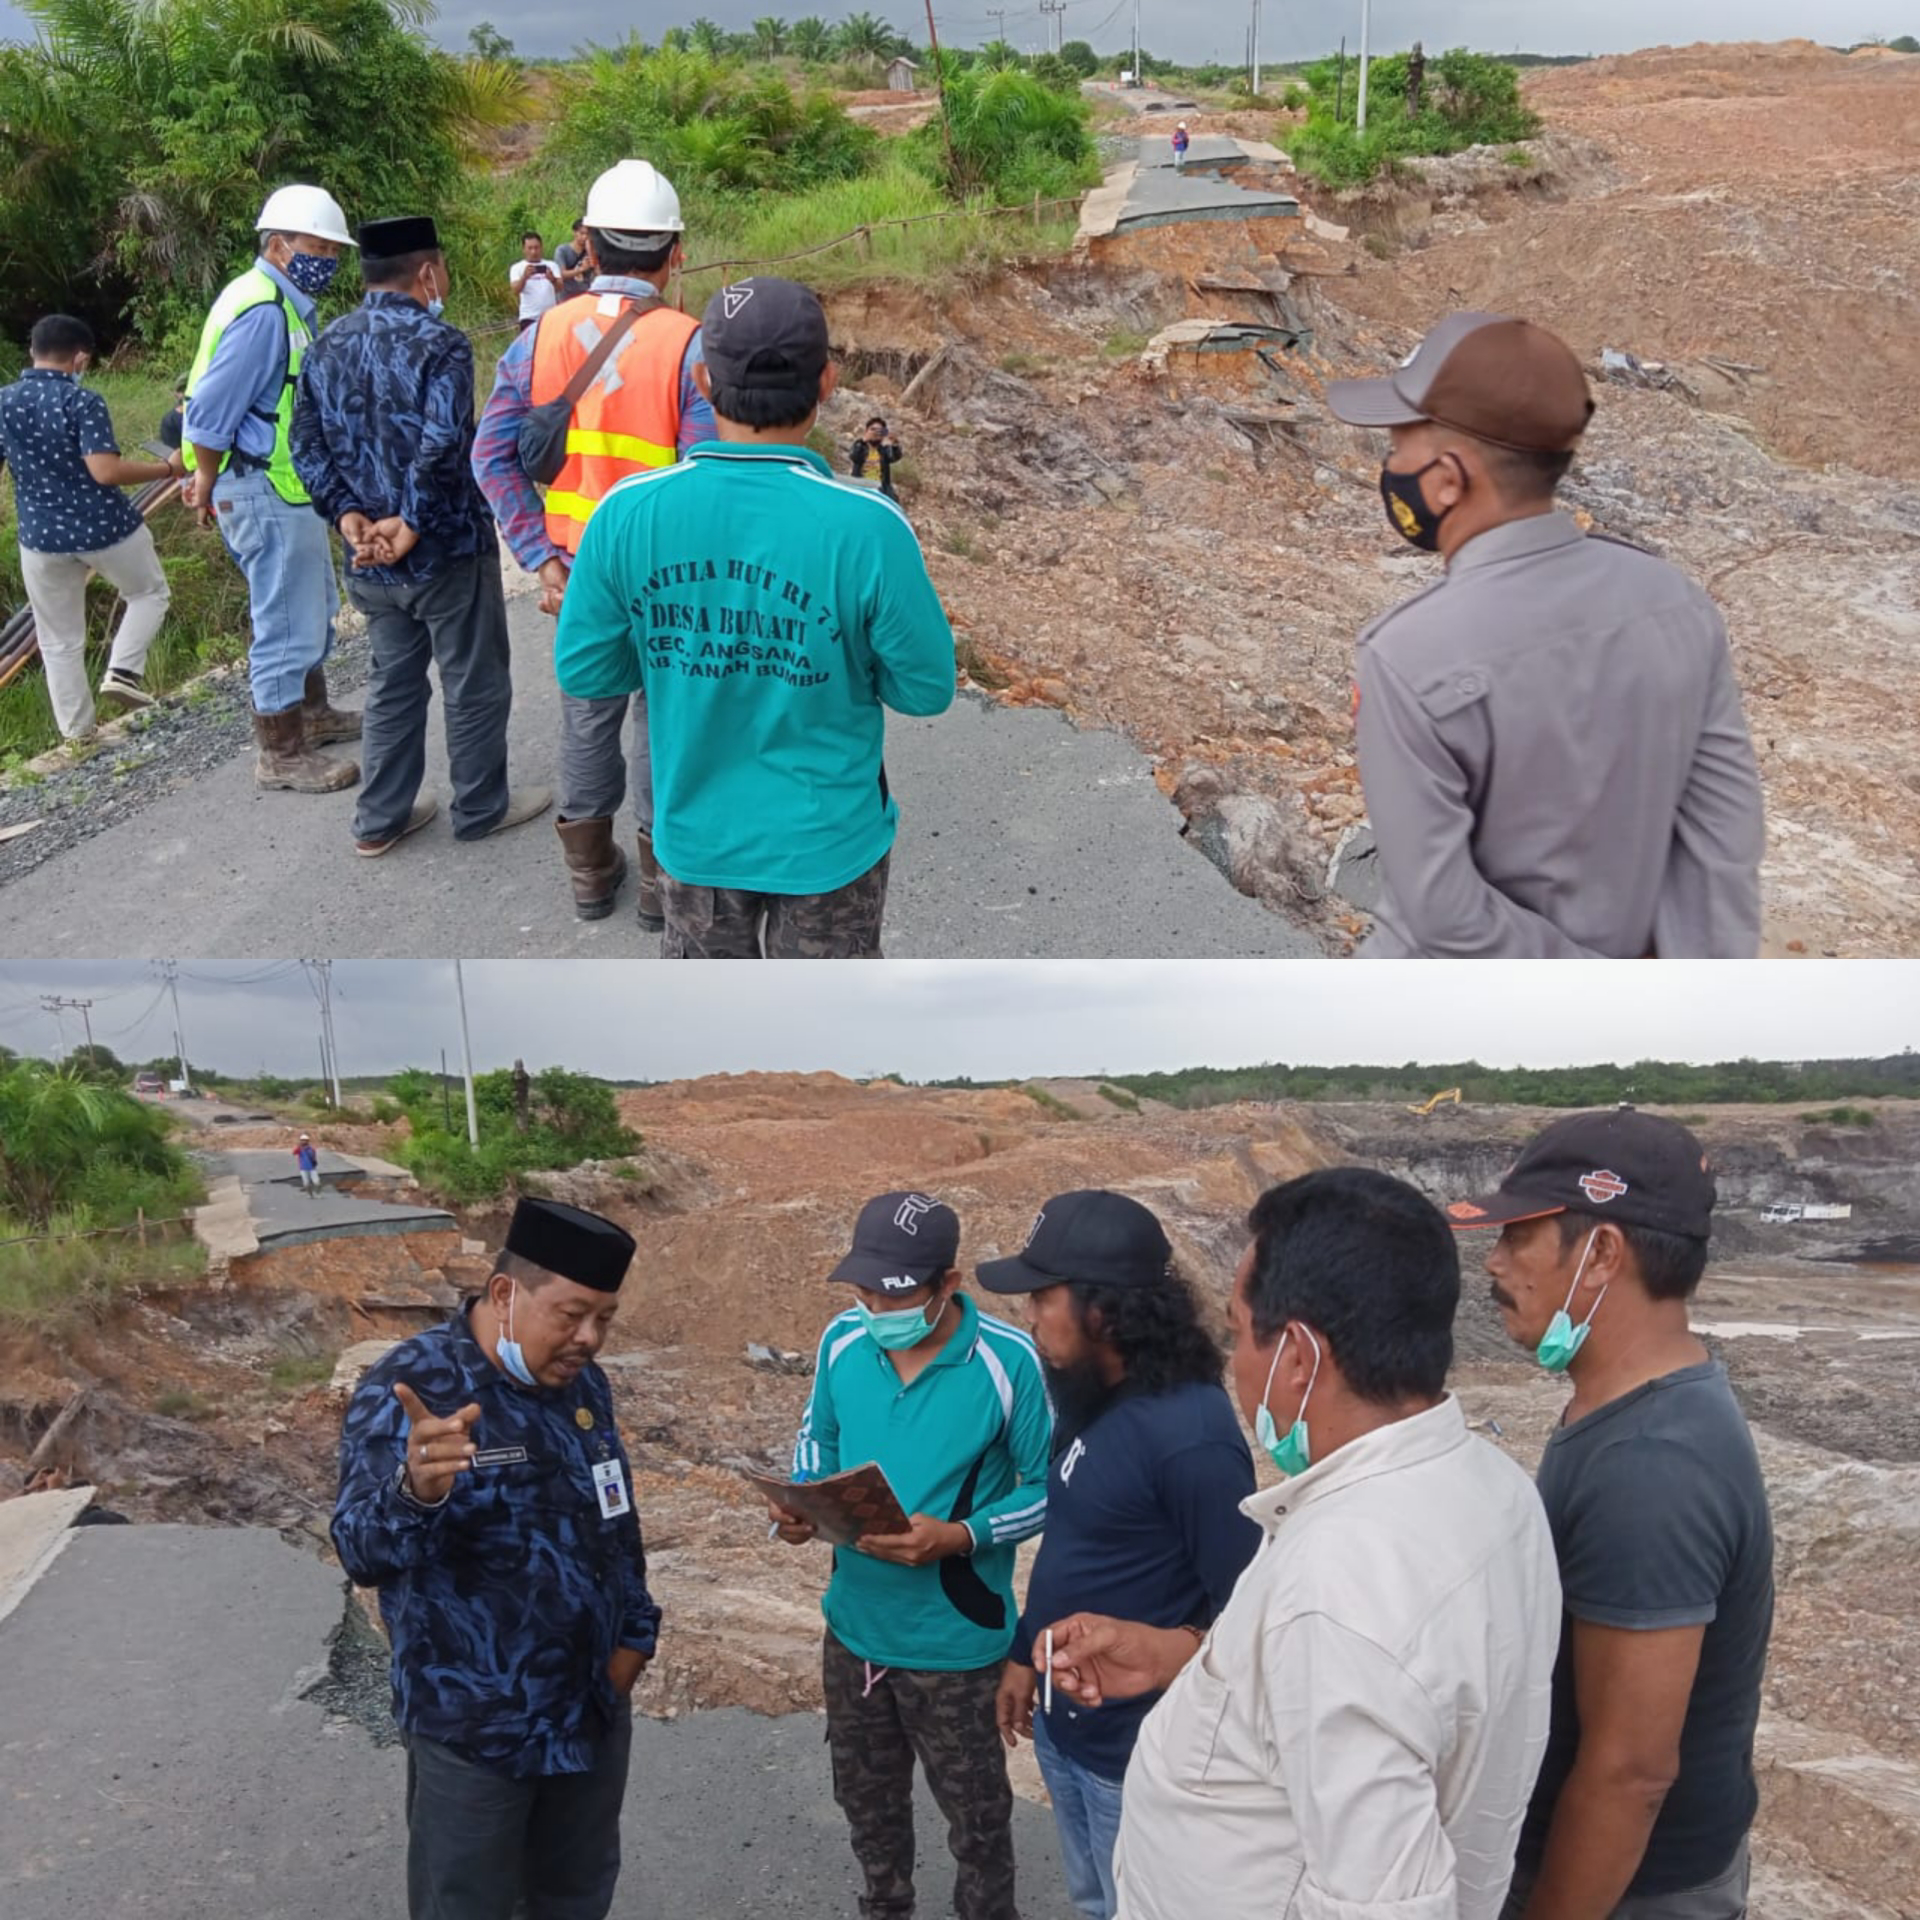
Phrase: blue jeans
(1086, 1810)
(292, 593)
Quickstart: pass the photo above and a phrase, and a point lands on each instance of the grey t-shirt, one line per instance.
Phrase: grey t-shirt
(1660, 1519)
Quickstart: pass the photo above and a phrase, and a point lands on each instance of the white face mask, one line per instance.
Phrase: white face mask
(511, 1356)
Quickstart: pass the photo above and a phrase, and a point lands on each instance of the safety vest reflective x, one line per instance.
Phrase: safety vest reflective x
(628, 421)
(255, 288)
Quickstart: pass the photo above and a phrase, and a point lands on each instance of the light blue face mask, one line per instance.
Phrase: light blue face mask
(436, 306)
(1562, 1339)
(895, 1332)
(511, 1356)
(1293, 1454)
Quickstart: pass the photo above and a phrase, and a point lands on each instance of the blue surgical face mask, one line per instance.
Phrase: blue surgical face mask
(1293, 1453)
(1562, 1339)
(310, 273)
(436, 306)
(895, 1332)
(511, 1356)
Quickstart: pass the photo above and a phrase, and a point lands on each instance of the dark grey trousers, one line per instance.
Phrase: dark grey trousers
(457, 620)
(483, 1846)
(593, 771)
(1722, 1898)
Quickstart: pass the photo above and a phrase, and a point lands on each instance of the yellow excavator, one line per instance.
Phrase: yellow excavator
(1438, 1100)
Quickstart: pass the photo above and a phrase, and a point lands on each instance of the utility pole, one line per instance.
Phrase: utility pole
(1340, 85)
(466, 1045)
(446, 1092)
(326, 1015)
(170, 972)
(1366, 17)
(53, 1003)
(1136, 42)
(1256, 47)
(953, 169)
(999, 17)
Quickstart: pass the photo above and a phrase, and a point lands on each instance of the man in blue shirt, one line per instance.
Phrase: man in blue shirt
(951, 1404)
(237, 431)
(1143, 1502)
(73, 519)
(485, 1492)
(382, 438)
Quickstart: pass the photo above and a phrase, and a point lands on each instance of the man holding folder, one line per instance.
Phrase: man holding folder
(951, 1404)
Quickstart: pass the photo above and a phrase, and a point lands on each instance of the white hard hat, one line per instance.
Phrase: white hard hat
(632, 196)
(305, 210)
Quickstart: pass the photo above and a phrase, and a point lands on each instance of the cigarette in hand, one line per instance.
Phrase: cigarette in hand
(1046, 1678)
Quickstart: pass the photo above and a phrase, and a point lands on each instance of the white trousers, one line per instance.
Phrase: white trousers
(57, 591)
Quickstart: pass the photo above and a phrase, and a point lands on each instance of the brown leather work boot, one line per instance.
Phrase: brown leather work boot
(595, 865)
(652, 913)
(326, 722)
(286, 760)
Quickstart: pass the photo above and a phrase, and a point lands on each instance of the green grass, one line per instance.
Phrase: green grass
(1121, 1098)
(50, 1286)
(1839, 1117)
(206, 624)
(1123, 342)
(1053, 1108)
(294, 1372)
(179, 1404)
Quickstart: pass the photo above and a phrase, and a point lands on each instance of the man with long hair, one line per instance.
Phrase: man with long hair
(1143, 1501)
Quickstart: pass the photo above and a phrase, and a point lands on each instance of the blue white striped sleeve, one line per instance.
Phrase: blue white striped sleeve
(1021, 1512)
(816, 1452)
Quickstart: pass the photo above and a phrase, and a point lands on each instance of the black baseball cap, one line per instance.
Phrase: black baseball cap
(901, 1242)
(1099, 1237)
(1624, 1165)
(765, 333)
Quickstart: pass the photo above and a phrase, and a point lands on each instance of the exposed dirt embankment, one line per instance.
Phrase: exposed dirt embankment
(1182, 543)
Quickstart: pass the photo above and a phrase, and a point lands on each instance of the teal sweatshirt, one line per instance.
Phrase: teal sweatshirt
(971, 1439)
(769, 613)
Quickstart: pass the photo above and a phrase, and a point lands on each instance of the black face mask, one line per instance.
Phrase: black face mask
(1413, 520)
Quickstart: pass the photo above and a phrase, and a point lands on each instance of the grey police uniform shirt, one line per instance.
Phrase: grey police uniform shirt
(1555, 759)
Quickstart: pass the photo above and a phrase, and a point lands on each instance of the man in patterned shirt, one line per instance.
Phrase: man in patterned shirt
(485, 1493)
(382, 434)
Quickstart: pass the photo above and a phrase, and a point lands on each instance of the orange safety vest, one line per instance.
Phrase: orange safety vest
(628, 421)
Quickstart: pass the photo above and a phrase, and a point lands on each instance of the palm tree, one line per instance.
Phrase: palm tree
(708, 37)
(865, 38)
(769, 37)
(811, 39)
(56, 1128)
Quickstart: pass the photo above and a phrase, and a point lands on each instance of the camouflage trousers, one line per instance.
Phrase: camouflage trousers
(723, 923)
(879, 1721)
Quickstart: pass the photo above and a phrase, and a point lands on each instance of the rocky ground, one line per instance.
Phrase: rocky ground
(1185, 545)
(215, 1406)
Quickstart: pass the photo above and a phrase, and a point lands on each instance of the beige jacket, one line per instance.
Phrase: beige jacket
(1359, 1734)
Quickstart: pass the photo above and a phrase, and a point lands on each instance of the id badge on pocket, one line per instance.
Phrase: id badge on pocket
(611, 1485)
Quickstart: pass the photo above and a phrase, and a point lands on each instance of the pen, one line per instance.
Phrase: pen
(1046, 1679)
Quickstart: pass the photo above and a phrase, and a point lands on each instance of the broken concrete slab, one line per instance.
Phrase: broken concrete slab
(356, 1362)
(224, 1226)
(34, 1529)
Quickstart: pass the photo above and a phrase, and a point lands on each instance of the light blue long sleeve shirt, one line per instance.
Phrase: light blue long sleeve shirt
(245, 373)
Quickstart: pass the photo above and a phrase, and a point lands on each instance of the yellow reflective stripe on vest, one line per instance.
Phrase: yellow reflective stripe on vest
(570, 506)
(618, 446)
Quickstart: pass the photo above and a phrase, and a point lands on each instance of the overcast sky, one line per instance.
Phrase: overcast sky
(984, 1019)
(1200, 30)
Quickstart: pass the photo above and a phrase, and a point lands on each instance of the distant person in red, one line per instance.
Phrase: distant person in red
(308, 1162)
(1181, 140)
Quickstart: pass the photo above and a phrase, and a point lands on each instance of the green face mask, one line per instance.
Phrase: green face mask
(1292, 1451)
(1562, 1339)
(895, 1332)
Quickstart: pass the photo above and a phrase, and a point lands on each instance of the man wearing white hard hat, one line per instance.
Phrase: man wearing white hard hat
(239, 413)
(640, 411)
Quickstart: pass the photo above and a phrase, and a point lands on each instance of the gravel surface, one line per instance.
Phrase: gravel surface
(190, 733)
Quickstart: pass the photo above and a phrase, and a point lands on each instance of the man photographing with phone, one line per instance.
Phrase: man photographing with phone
(485, 1493)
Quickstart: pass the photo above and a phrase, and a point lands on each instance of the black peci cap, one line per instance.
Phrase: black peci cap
(1099, 1237)
(571, 1242)
(901, 1242)
(389, 239)
(1624, 1165)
